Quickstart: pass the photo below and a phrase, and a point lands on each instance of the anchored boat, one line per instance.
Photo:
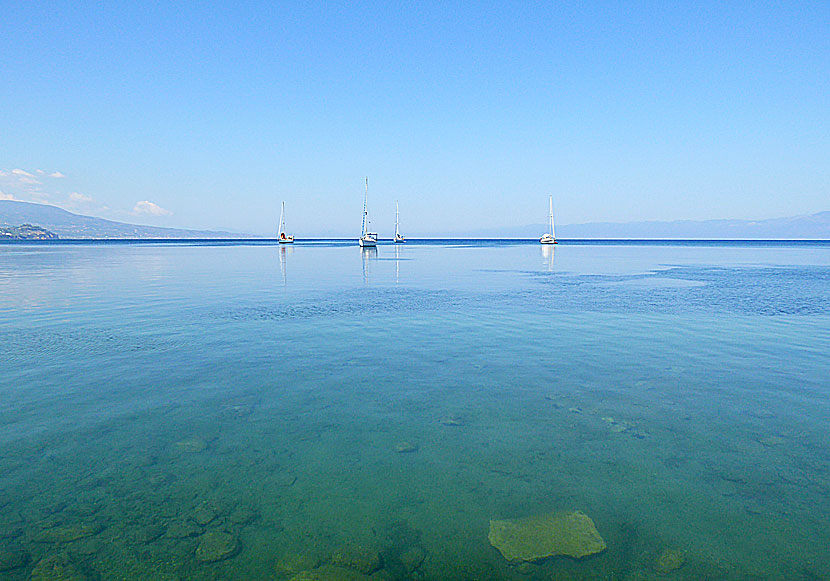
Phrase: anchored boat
(367, 239)
(399, 239)
(549, 237)
(283, 237)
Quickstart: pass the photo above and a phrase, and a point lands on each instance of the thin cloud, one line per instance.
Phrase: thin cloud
(56, 174)
(148, 207)
(22, 185)
(80, 198)
(5, 196)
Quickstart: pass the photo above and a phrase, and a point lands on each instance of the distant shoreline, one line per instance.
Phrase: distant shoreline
(426, 241)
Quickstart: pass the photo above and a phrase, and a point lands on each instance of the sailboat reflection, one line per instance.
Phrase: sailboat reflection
(397, 262)
(368, 253)
(285, 252)
(547, 256)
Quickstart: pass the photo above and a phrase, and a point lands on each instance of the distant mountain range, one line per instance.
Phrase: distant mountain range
(68, 225)
(809, 227)
(814, 226)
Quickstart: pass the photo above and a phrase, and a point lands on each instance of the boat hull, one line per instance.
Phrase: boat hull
(547, 239)
(367, 242)
(286, 240)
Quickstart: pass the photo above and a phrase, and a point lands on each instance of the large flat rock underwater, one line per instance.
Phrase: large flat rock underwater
(534, 538)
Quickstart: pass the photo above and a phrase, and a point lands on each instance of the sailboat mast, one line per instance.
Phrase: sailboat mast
(365, 212)
(550, 217)
(552, 233)
(397, 222)
(282, 219)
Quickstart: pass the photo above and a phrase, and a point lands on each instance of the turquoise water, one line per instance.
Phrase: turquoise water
(245, 411)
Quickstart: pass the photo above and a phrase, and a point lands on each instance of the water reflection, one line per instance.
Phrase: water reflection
(547, 256)
(368, 254)
(285, 252)
(397, 262)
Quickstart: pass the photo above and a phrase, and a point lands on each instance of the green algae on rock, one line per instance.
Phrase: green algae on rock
(67, 533)
(56, 568)
(771, 441)
(182, 530)
(13, 558)
(294, 563)
(451, 421)
(406, 447)
(204, 514)
(330, 573)
(149, 533)
(357, 558)
(242, 515)
(192, 445)
(533, 538)
(670, 560)
(216, 546)
(413, 558)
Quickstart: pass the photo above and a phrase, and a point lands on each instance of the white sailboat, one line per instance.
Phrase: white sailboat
(549, 237)
(399, 239)
(367, 239)
(283, 237)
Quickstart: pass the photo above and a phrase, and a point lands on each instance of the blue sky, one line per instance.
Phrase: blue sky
(470, 114)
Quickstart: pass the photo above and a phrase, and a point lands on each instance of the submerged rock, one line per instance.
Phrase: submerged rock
(405, 447)
(13, 558)
(670, 560)
(204, 514)
(240, 410)
(537, 537)
(771, 441)
(157, 480)
(358, 558)
(67, 533)
(149, 533)
(56, 568)
(617, 426)
(294, 563)
(192, 445)
(216, 546)
(528, 568)
(242, 515)
(182, 530)
(83, 548)
(412, 558)
(330, 573)
(451, 421)
(10, 531)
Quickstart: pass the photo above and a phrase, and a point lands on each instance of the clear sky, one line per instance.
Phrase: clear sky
(208, 115)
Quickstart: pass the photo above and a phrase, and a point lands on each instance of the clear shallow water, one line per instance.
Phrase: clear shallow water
(153, 393)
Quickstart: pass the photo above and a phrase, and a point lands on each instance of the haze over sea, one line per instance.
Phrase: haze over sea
(244, 411)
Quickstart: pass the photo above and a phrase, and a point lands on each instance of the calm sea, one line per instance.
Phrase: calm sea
(247, 411)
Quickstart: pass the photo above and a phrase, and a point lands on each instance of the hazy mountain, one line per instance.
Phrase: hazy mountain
(813, 226)
(68, 225)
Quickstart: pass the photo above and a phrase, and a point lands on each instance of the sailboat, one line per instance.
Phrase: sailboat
(367, 239)
(398, 238)
(283, 238)
(549, 237)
